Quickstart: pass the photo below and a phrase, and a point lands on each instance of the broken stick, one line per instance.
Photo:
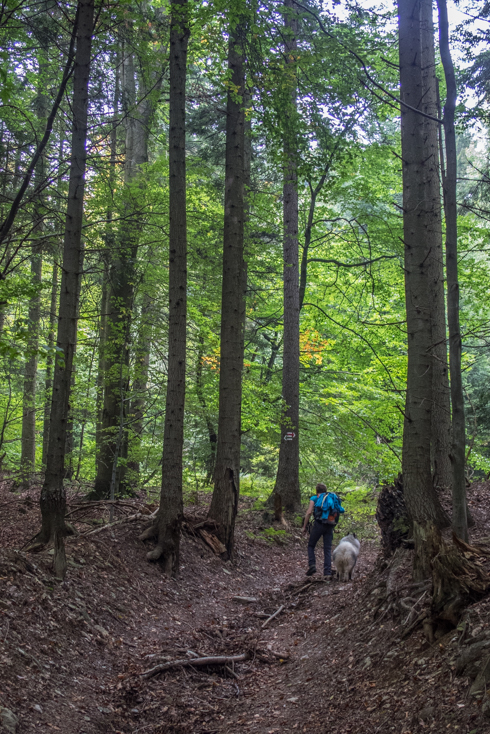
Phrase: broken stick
(218, 660)
(272, 616)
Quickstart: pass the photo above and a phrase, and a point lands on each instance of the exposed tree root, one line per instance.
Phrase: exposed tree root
(186, 662)
(459, 578)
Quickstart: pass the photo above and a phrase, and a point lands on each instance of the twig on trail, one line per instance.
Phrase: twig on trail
(218, 660)
(102, 503)
(231, 672)
(412, 608)
(414, 624)
(272, 616)
(275, 653)
(245, 599)
(130, 518)
(307, 586)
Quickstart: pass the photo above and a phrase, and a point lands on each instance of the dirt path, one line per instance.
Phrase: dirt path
(72, 654)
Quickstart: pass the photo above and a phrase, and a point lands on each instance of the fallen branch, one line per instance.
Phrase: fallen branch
(307, 586)
(212, 541)
(101, 503)
(245, 599)
(276, 654)
(231, 672)
(272, 616)
(218, 660)
(414, 624)
(138, 516)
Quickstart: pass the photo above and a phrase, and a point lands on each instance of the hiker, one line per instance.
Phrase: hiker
(326, 509)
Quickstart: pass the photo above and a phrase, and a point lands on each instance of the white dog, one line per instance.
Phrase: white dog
(345, 556)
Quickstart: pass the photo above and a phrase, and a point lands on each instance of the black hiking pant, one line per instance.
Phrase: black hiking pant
(317, 530)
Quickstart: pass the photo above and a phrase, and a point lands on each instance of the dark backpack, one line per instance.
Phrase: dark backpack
(325, 509)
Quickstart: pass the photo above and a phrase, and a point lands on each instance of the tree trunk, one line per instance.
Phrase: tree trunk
(441, 407)
(210, 461)
(53, 498)
(422, 502)
(140, 384)
(28, 450)
(50, 361)
(286, 487)
(224, 503)
(460, 521)
(28, 441)
(121, 284)
(109, 248)
(170, 513)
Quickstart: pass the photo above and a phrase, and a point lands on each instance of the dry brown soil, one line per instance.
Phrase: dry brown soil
(72, 653)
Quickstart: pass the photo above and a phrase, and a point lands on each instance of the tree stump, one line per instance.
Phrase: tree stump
(392, 517)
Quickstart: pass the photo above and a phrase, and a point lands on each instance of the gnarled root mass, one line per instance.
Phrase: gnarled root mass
(52, 535)
(392, 516)
(460, 576)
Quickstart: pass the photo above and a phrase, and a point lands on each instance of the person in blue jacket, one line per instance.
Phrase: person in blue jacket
(326, 508)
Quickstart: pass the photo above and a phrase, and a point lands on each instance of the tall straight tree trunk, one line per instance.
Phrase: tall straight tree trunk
(441, 406)
(53, 497)
(121, 284)
(421, 499)
(224, 503)
(109, 248)
(460, 520)
(286, 489)
(170, 513)
(28, 442)
(50, 361)
(210, 461)
(140, 382)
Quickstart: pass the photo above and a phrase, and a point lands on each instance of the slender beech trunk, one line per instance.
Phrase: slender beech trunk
(28, 441)
(170, 513)
(460, 522)
(421, 499)
(121, 283)
(441, 406)
(210, 461)
(286, 489)
(53, 497)
(140, 382)
(50, 361)
(224, 503)
(101, 367)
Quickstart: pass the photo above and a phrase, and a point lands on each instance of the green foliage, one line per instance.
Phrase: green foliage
(353, 337)
(360, 508)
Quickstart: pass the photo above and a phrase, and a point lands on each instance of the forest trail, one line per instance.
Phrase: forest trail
(72, 654)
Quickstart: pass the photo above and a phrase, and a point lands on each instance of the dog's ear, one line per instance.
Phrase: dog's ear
(355, 536)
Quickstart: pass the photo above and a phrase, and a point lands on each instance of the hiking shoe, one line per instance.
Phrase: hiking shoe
(327, 577)
(311, 570)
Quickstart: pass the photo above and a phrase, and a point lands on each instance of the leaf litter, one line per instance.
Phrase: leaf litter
(73, 654)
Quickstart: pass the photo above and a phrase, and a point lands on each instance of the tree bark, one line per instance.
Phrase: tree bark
(140, 384)
(460, 520)
(109, 247)
(441, 407)
(28, 440)
(171, 510)
(121, 284)
(422, 502)
(50, 361)
(53, 497)
(286, 487)
(210, 461)
(224, 503)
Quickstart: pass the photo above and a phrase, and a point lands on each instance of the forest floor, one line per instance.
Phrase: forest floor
(72, 654)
